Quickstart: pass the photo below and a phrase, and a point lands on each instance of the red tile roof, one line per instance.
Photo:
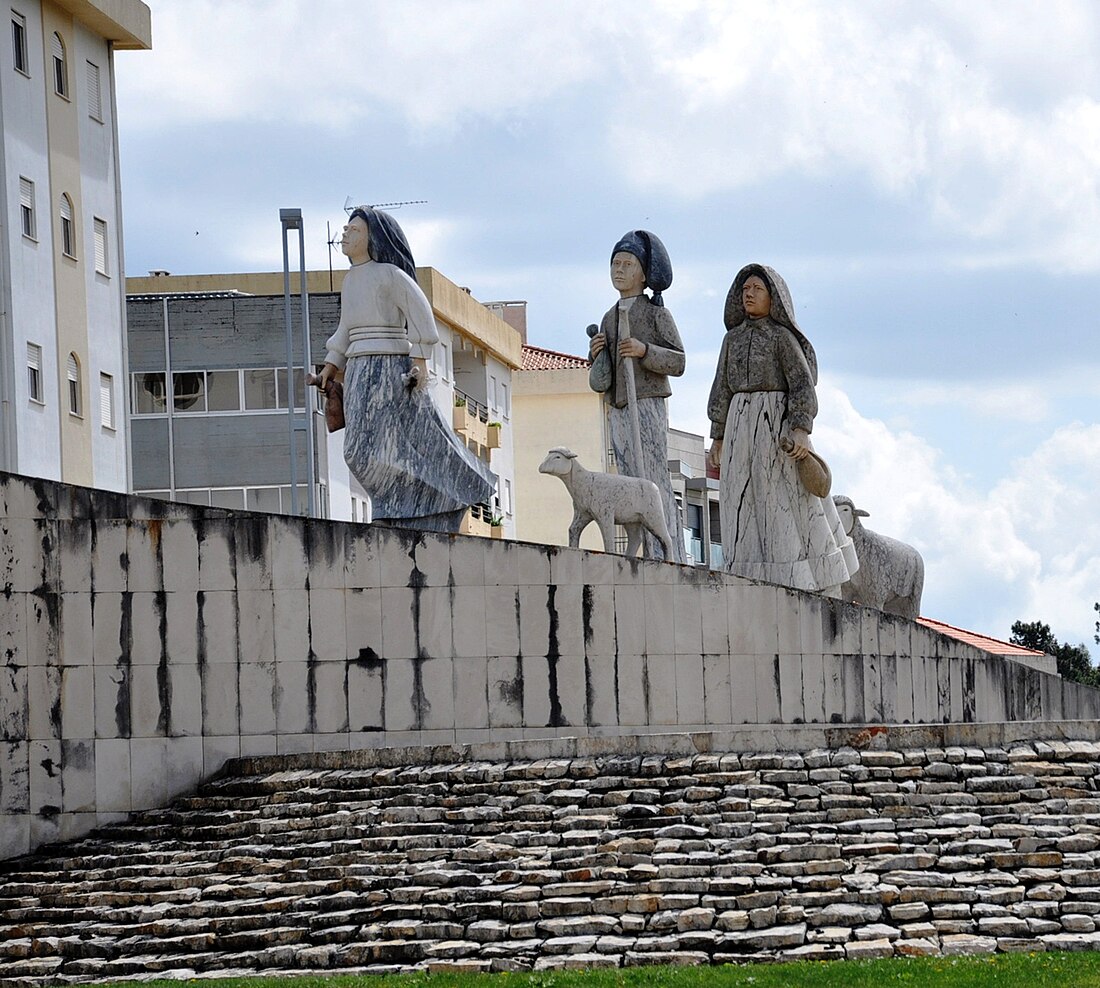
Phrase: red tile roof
(536, 358)
(984, 642)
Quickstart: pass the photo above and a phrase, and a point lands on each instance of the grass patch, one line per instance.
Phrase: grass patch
(1038, 970)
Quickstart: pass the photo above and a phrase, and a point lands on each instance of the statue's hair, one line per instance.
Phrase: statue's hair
(387, 240)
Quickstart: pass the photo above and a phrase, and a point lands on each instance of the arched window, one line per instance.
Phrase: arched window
(68, 231)
(60, 66)
(75, 404)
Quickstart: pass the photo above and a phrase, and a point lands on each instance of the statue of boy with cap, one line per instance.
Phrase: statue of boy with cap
(641, 334)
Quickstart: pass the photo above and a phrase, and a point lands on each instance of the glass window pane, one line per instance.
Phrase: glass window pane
(264, 499)
(189, 391)
(299, 387)
(223, 391)
(259, 389)
(194, 497)
(149, 394)
(229, 498)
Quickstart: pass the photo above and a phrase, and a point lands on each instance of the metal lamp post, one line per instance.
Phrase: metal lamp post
(291, 219)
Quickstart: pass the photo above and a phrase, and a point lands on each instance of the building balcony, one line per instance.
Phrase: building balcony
(470, 420)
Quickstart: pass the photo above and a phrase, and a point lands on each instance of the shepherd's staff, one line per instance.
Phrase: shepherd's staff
(631, 394)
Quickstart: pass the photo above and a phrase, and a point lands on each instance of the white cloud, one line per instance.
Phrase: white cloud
(925, 111)
(927, 104)
(342, 62)
(1025, 548)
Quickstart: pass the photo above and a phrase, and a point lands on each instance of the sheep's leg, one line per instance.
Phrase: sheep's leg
(634, 536)
(576, 526)
(666, 543)
(607, 530)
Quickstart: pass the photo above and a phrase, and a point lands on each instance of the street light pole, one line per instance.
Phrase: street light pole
(291, 219)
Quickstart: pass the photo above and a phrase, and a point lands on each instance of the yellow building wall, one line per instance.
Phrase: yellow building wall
(70, 292)
(553, 408)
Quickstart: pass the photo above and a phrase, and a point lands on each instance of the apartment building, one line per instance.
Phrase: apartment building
(62, 295)
(216, 344)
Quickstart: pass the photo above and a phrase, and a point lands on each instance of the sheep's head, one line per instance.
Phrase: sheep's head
(559, 461)
(846, 508)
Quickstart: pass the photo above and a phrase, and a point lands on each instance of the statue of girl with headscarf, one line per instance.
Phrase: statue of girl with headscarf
(762, 407)
(415, 468)
(639, 328)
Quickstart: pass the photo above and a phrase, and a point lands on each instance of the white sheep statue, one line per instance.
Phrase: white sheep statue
(890, 575)
(609, 499)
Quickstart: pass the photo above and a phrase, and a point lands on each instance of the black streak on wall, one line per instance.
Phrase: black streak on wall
(553, 654)
(778, 688)
(420, 704)
(122, 664)
(201, 648)
(511, 690)
(586, 619)
(160, 603)
(311, 667)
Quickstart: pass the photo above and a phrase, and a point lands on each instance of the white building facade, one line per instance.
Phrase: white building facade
(62, 287)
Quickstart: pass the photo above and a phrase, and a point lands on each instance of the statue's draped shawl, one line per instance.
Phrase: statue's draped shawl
(782, 310)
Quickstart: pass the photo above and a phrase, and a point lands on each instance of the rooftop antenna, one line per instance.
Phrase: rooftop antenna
(350, 205)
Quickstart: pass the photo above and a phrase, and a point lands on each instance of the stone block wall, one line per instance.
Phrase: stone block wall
(142, 644)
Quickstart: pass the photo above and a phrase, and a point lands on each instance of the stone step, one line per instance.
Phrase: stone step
(558, 863)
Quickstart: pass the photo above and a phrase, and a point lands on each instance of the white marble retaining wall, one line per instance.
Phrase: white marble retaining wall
(142, 644)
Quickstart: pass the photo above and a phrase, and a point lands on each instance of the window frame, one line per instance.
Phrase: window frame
(99, 234)
(28, 215)
(76, 396)
(107, 401)
(95, 91)
(60, 65)
(68, 226)
(19, 51)
(34, 373)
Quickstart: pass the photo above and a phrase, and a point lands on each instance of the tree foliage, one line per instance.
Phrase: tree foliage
(1074, 661)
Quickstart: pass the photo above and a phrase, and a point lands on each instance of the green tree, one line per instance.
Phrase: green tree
(1074, 661)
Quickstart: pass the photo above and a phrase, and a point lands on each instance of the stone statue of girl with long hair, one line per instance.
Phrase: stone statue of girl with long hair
(416, 470)
(762, 407)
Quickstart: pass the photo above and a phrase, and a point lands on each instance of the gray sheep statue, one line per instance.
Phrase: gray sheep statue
(609, 499)
(890, 575)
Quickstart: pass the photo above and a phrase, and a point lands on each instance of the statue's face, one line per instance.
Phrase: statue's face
(355, 242)
(626, 274)
(846, 517)
(755, 297)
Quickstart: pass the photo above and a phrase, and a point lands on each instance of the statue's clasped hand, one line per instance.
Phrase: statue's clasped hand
(329, 373)
(797, 444)
(632, 348)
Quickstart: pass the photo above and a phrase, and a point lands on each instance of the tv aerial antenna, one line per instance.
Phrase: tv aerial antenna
(350, 205)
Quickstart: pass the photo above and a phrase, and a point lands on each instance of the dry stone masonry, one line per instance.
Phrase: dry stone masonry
(387, 860)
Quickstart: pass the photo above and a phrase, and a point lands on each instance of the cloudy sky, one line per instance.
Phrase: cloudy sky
(926, 176)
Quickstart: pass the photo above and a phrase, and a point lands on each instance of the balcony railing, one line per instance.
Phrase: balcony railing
(475, 406)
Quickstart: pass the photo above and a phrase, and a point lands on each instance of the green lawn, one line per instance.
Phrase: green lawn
(1039, 970)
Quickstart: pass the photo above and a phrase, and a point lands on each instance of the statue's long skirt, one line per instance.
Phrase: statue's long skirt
(773, 529)
(409, 460)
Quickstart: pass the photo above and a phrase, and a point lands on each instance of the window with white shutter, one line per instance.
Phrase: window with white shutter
(68, 231)
(60, 66)
(95, 101)
(26, 208)
(34, 372)
(74, 386)
(100, 227)
(19, 43)
(106, 401)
